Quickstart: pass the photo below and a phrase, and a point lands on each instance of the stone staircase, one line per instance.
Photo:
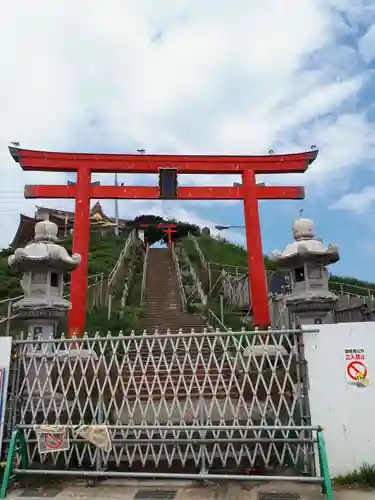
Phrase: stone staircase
(181, 369)
(163, 300)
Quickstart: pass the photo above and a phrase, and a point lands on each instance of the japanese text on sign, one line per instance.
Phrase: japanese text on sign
(355, 355)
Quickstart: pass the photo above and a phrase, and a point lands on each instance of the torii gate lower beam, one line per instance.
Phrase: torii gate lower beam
(83, 191)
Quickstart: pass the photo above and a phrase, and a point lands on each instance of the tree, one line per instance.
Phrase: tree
(182, 230)
(154, 233)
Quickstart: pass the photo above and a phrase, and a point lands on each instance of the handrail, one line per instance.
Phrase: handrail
(144, 274)
(194, 275)
(198, 249)
(97, 283)
(278, 316)
(216, 321)
(243, 271)
(179, 279)
(370, 292)
(119, 261)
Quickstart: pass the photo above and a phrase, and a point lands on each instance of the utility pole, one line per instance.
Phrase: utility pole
(66, 225)
(116, 209)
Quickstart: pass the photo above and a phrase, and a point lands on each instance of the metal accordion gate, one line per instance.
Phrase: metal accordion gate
(176, 403)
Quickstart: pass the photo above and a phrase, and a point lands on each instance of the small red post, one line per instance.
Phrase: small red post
(257, 278)
(167, 228)
(81, 236)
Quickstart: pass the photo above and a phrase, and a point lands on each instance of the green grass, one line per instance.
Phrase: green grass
(364, 476)
(97, 320)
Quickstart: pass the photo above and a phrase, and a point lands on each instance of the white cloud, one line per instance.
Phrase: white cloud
(367, 45)
(181, 76)
(359, 202)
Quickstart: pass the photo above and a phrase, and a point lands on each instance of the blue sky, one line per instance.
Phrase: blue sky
(186, 76)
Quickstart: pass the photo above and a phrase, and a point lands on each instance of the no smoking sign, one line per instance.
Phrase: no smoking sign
(356, 367)
(53, 442)
(356, 370)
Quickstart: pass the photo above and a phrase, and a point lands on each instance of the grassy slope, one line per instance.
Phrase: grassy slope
(222, 251)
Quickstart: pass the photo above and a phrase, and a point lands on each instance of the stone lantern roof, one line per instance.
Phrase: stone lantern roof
(44, 252)
(305, 248)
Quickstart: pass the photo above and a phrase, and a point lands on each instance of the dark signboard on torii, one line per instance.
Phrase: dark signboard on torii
(83, 191)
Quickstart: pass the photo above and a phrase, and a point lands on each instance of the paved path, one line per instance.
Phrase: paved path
(129, 490)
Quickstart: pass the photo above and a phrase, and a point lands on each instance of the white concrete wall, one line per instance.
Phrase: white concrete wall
(346, 411)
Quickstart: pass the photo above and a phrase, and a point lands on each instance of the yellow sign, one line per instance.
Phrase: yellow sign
(362, 380)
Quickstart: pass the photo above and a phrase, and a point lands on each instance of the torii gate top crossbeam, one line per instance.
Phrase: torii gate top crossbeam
(185, 164)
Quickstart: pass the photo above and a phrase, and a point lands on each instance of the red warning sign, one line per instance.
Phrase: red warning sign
(50, 441)
(54, 441)
(356, 370)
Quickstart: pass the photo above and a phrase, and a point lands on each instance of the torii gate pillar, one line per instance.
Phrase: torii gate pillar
(254, 249)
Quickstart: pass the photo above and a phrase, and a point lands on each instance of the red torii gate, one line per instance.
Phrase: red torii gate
(85, 164)
(168, 229)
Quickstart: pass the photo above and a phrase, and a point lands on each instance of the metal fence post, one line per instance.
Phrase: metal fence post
(202, 418)
(109, 306)
(101, 289)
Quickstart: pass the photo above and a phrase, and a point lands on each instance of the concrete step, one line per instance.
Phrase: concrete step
(163, 301)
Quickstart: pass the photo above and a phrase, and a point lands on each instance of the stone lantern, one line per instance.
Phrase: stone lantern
(307, 258)
(43, 263)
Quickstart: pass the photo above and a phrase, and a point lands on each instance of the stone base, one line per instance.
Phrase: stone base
(311, 302)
